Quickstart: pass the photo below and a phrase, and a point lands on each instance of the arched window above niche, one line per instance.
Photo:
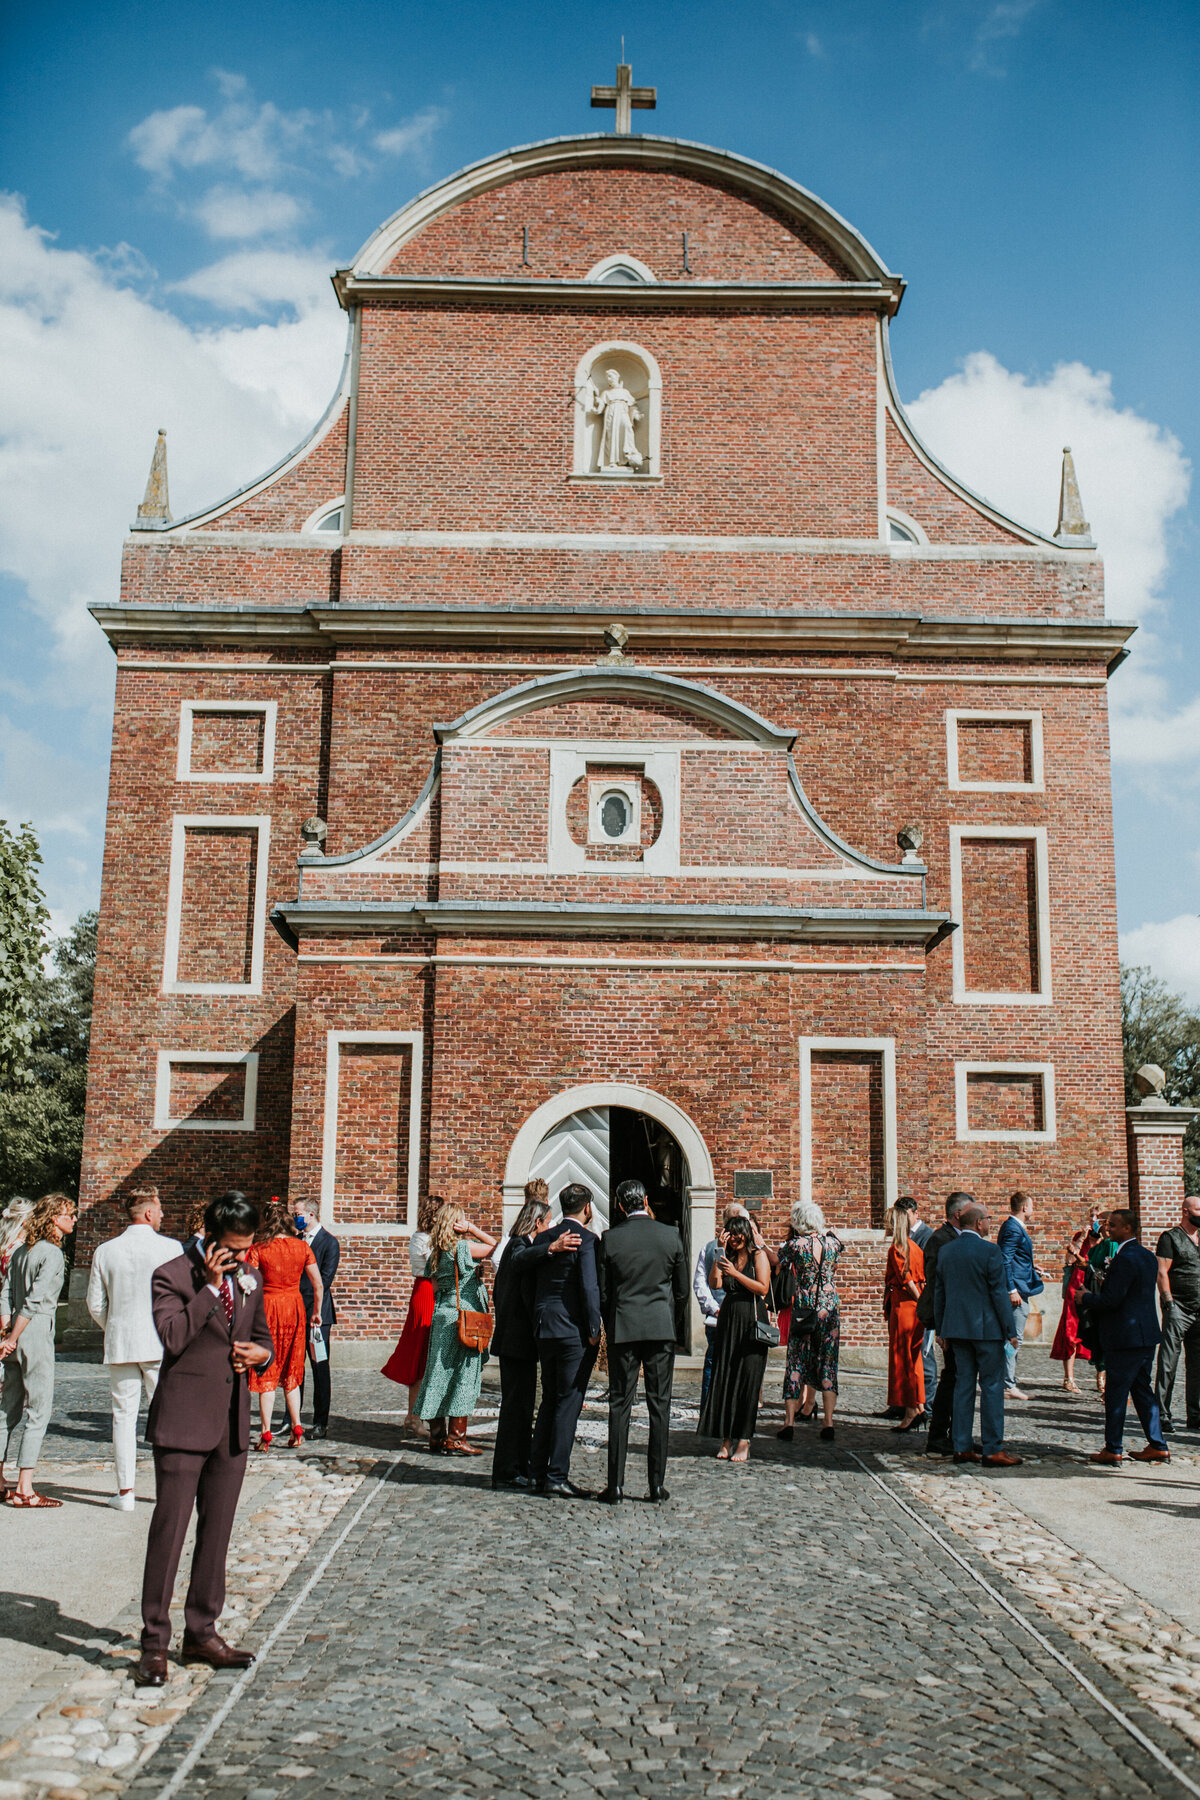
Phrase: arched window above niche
(618, 414)
(620, 271)
(327, 518)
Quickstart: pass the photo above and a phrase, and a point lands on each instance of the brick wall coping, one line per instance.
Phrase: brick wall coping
(571, 919)
(675, 296)
(608, 679)
(754, 628)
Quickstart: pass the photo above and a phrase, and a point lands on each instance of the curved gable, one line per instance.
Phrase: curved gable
(643, 697)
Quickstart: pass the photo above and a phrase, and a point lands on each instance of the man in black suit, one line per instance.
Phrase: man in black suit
(566, 1316)
(514, 1344)
(644, 1294)
(327, 1253)
(1127, 1317)
(940, 1418)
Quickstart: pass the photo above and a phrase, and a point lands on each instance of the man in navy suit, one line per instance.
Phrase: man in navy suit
(327, 1253)
(972, 1311)
(1127, 1318)
(566, 1319)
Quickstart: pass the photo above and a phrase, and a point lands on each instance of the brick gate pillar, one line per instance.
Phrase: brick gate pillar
(1155, 1142)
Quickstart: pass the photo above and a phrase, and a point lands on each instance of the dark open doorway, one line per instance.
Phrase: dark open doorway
(641, 1149)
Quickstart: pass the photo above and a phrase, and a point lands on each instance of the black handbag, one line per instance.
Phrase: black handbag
(766, 1324)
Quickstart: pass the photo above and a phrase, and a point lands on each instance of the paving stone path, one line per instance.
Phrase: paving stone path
(779, 1630)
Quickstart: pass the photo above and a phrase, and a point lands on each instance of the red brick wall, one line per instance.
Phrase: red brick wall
(999, 925)
(994, 750)
(371, 1168)
(1005, 1101)
(848, 1136)
(216, 921)
(208, 1092)
(227, 743)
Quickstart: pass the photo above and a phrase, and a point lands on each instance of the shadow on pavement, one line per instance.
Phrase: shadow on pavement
(29, 1619)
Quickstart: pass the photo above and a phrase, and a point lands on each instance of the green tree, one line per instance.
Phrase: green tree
(1160, 1027)
(45, 1027)
(23, 922)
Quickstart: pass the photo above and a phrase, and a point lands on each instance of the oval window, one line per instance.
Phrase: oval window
(614, 815)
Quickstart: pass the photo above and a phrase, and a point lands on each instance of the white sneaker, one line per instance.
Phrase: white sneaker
(123, 1502)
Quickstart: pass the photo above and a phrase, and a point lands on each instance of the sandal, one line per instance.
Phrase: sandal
(27, 1500)
(723, 1453)
(1069, 1387)
(265, 1440)
(741, 1456)
(296, 1438)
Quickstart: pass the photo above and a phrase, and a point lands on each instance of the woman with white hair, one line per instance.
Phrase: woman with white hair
(14, 1221)
(811, 1255)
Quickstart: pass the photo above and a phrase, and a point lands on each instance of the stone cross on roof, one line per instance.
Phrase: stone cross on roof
(624, 97)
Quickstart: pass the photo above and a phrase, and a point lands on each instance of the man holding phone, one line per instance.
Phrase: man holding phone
(208, 1312)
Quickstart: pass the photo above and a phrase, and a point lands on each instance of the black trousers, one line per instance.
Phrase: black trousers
(320, 1375)
(566, 1368)
(514, 1427)
(657, 1362)
(941, 1417)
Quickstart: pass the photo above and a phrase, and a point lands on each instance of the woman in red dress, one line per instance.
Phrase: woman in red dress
(283, 1257)
(406, 1364)
(1066, 1346)
(903, 1281)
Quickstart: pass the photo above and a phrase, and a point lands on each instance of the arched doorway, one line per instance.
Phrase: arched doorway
(602, 1133)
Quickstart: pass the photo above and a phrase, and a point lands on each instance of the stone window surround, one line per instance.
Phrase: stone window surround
(187, 712)
(313, 521)
(962, 1126)
(329, 1132)
(168, 1059)
(962, 995)
(885, 1048)
(181, 823)
(631, 791)
(567, 766)
(998, 715)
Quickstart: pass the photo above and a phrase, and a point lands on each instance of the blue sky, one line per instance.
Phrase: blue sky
(188, 175)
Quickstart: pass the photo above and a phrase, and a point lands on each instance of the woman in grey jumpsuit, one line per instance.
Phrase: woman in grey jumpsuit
(28, 1301)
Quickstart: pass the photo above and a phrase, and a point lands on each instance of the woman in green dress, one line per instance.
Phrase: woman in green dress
(450, 1388)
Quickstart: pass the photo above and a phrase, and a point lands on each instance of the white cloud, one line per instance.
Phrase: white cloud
(1003, 434)
(1002, 21)
(261, 280)
(411, 137)
(93, 369)
(227, 212)
(250, 138)
(1171, 949)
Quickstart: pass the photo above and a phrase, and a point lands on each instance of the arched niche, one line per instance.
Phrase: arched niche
(618, 413)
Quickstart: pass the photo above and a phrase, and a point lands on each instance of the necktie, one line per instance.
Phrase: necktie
(227, 1301)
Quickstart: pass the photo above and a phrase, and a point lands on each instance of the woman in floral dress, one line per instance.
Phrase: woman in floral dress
(811, 1253)
(453, 1373)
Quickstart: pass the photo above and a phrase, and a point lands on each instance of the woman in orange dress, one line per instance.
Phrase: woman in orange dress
(902, 1285)
(283, 1257)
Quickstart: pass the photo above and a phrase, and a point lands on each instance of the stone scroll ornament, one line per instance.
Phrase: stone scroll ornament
(619, 410)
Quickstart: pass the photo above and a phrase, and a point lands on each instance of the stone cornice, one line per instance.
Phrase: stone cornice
(597, 296)
(485, 918)
(903, 635)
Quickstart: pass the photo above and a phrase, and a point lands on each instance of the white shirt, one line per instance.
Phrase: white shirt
(419, 1246)
(118, 1295)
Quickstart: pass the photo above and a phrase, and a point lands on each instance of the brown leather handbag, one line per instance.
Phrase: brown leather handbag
(474, 1328)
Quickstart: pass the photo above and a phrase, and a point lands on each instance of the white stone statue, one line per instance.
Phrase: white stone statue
(617, 407)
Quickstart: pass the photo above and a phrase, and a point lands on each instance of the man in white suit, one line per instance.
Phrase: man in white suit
(118, 1298)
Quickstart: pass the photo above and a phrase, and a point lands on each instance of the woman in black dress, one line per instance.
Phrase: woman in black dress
(730, 1408)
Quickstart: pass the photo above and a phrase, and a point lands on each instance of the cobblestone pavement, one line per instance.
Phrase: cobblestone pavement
(782, 1629)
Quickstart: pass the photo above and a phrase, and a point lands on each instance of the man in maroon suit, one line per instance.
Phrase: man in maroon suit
(208, 1311)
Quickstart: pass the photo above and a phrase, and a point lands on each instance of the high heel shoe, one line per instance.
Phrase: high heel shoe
(265, 1440)
(296, 1438)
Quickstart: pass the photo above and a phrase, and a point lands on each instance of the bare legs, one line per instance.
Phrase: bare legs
(1069, 1373)
(416, 1426)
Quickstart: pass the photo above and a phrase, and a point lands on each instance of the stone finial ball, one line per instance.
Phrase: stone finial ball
(1150, 1080)
(910, 838)
(314, 831)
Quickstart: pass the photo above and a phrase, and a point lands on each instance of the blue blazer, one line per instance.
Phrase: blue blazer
(566, 1294)
(327, 1254)
(971, 1291)
(1124, 1309)
(1016, 1247)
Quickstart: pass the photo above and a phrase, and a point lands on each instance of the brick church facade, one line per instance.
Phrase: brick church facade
(610, 744)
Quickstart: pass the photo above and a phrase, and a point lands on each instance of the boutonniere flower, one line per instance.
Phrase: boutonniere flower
(245, 1281)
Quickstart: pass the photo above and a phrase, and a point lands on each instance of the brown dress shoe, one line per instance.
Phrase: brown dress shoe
(457, 1443)
(1150, 1454)
(1111, 1459)
(215, 1652)
(966, 1456)
(150, 1669)
(1002, 1460)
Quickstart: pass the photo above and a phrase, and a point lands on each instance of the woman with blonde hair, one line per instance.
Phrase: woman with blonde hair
(406, 1364)
(453, 1371)
(13, 1221)
(811, 1256)
(28, 1302)
(903, 1280)
(283, 1257)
